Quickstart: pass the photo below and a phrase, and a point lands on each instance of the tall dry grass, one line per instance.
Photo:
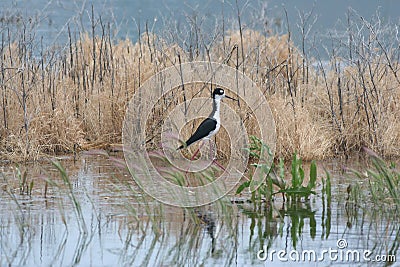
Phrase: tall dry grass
(67, 99)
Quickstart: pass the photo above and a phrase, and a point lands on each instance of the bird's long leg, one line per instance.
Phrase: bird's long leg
(194, 155)
(198, 150)
(211, 149)
(214, 160)
(219, 165)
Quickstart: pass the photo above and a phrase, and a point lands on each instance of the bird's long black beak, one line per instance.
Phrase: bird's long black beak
(231, 98)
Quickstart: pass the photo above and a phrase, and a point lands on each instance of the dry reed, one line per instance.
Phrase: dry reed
(74, 98)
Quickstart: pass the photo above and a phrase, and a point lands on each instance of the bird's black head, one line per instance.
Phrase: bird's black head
(218, 92)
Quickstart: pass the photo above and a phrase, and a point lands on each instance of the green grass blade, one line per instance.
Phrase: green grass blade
(313, 175)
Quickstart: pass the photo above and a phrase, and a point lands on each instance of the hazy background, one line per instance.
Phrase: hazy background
(125, 15)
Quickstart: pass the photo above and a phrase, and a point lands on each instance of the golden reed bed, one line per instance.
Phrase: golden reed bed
(73, 98)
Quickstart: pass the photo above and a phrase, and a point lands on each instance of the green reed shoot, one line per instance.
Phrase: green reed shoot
(383, 181)
(275, 175)
(71, 195)
(25, 187)
(259, 151)
(297, 189)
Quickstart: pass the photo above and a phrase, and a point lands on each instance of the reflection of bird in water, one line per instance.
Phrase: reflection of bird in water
(210, 226)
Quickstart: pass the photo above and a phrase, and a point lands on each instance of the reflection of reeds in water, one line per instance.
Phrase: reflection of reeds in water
(59, 100)
(140, 231)
(376, 194)
(383, 182)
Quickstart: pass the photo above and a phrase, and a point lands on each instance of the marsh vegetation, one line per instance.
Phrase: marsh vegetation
(70, 99)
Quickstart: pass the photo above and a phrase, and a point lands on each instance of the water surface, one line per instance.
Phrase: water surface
(120, 226)
(130, 18)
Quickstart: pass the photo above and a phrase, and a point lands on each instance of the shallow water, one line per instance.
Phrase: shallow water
(53, 17)
(119, 226)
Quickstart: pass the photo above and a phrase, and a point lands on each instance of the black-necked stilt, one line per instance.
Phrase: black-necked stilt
(210, 126)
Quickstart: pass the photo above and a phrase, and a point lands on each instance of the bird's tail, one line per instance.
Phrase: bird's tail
(182, 146)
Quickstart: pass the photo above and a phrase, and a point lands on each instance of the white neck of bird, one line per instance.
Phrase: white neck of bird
(216, 109)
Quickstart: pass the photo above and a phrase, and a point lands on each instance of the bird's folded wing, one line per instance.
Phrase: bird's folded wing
(204, 129)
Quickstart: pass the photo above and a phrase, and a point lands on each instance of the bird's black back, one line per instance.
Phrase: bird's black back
(202, 131)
